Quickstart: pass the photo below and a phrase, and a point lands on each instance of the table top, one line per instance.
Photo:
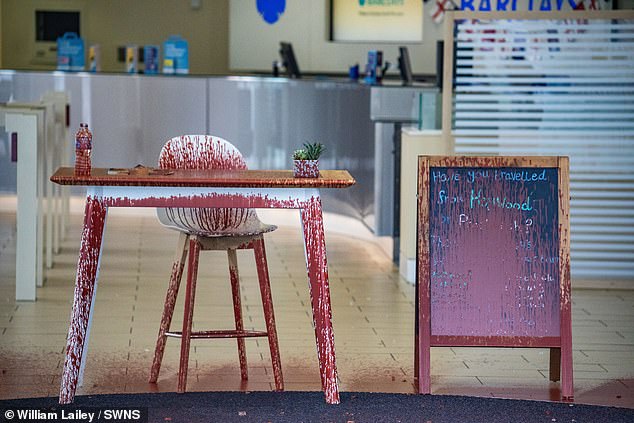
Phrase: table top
(151, 177)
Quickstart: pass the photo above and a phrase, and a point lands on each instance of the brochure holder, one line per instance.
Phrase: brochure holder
(176, 55)
(70, 52)
(151, 59)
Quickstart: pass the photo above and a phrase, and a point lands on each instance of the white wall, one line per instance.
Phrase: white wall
(254, 44)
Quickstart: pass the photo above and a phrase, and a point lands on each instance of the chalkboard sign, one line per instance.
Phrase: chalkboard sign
(493, 257)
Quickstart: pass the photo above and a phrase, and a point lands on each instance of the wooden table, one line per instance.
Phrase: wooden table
(146, 187)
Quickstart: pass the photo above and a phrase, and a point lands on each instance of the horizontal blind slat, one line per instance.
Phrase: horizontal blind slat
(549, 132)
(540, 97)
(542, 125)
(592, 89)
(545, 25)
(541, 52)
(550, 115)
(624, 71)
(571, 107)
(598, 79)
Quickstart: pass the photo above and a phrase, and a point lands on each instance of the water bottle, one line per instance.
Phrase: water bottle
(83, 148)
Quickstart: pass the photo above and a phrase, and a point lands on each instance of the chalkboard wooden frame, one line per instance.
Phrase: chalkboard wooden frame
(560, 346)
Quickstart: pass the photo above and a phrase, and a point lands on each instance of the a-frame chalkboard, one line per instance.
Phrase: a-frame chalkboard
(494, 258)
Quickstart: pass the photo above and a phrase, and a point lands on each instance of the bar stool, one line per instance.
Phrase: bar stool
(202, 229)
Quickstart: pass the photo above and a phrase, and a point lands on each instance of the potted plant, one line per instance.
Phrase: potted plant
(306, 160)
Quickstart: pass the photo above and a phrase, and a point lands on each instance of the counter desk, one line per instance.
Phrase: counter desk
(266, 118)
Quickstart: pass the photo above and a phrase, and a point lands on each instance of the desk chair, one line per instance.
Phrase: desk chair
(226, 229)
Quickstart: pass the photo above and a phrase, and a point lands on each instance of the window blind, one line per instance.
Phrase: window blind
(558, 87)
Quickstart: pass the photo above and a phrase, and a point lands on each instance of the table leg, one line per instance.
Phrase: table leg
(87, 267)
(316, 264)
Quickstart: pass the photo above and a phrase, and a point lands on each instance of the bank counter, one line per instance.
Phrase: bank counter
(131, 117)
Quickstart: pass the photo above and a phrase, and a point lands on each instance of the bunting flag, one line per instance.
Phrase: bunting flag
(440, 7)
(592, 5)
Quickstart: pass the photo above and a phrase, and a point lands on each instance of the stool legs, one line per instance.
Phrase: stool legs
(170, 300)
(189, 247)
(269, 315)
(237, 310)
(190, 294)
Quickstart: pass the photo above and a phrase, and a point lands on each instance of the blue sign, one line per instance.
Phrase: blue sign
(271, 10)
(151, 59)
(70, 52)
(175, 55)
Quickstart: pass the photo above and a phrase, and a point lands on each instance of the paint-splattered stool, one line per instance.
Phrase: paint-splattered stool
(227, 229)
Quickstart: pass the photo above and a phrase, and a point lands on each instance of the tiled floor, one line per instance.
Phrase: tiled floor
(373, 314)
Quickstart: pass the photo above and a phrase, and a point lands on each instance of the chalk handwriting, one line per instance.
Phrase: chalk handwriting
(444, 198)
(444, 279)
(480, 200)
(541, 259)
(473, 175)
(534, 277)
(520, 175)
(441, 177)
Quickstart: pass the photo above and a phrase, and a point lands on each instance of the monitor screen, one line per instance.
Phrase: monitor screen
(376, 21)
(405, 66)
(50, 25)
(289, 61)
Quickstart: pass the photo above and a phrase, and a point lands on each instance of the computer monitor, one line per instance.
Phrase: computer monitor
(288, 60)
(405, 66)
(50, 25)
(440, 57)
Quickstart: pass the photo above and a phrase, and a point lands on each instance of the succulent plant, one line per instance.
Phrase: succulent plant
(311, 151)
(300, 154)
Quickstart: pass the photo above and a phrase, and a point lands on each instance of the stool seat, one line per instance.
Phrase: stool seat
(250, 225)
(202, 229)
